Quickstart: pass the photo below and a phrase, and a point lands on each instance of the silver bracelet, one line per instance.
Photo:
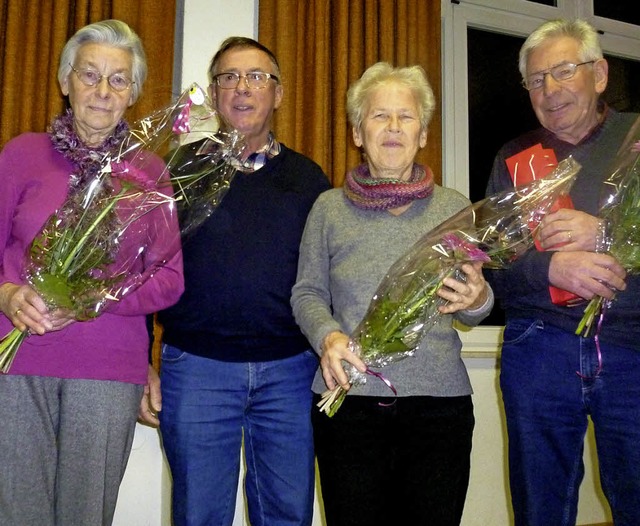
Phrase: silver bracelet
(603, 236)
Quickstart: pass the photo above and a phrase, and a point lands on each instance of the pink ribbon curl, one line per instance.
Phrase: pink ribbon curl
(386, 382)
(596, 338)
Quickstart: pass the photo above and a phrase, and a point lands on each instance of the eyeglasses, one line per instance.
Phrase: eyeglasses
(90, 77)
(560, 73)
(254, 80)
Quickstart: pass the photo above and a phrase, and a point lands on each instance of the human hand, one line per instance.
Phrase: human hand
(151, 403)
(587, 274)
(61, 318)
(568, 229)
(335, 349)
(464, 295)
(25, 308)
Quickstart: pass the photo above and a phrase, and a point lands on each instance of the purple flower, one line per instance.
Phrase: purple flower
(132, 175)
(463, 249)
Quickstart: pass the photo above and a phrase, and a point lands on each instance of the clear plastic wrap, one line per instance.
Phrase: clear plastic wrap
(120, 226)
(619, 233)
(496, 230)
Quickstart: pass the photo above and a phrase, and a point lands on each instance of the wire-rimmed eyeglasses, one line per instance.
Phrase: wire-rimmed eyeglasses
(254, 79)
(90, 77)
(559, 73)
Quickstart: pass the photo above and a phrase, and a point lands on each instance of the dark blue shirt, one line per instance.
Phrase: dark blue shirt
(522, 289)
(241, 264)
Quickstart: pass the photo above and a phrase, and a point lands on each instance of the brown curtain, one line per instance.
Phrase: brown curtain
(32, 35)
(325, 45)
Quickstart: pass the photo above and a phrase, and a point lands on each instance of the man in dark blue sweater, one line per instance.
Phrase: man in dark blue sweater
(234, 363)
(553, 380)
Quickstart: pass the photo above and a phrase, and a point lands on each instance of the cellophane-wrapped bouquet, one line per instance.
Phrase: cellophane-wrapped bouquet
(620, 214)
(94, 249)
(496, 231)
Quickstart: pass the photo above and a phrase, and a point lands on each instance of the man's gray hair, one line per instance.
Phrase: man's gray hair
(578, 29)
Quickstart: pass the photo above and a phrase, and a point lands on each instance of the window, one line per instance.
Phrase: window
(620, 10)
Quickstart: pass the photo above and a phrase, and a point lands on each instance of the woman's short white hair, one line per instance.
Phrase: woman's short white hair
(578, 29)
(382, 73)
(110, 33)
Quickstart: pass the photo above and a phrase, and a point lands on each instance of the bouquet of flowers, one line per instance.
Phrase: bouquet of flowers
(119, 223)
(620, 214)
(496, 231)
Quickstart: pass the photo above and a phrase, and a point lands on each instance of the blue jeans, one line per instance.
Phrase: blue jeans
(207, 405)
(550, 385)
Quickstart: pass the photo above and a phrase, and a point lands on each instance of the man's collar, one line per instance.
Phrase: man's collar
(260, 157)
(268, 147)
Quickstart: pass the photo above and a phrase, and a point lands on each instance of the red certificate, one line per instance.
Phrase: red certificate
(529, 165)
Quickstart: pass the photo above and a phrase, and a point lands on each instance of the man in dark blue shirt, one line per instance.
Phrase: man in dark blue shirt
(553, 380)
(234, 363)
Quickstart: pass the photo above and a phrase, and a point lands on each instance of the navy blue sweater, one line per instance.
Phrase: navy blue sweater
(240, 266)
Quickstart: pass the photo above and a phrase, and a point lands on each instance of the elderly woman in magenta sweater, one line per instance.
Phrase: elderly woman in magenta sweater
(384, 459)
(69, 403)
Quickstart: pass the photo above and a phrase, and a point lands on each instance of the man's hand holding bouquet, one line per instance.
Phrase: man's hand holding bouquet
(620, 224)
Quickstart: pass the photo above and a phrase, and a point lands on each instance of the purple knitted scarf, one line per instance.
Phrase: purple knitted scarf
(369, 193)
(87, 161)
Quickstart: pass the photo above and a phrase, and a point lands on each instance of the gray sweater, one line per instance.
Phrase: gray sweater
(344, 255)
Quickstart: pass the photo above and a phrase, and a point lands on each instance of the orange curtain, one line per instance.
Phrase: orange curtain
(32, 35)
(325, 45)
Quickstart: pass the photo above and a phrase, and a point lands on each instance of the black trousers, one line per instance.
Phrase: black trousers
(395, 461)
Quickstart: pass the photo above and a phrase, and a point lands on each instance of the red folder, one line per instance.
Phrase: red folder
(529, 165)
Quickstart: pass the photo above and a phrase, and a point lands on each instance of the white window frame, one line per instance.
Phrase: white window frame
(511, 17)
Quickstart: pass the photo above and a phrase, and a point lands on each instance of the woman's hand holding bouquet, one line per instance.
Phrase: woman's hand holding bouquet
(36, 317)
(119, 224)
(337, 348)
(439, 274)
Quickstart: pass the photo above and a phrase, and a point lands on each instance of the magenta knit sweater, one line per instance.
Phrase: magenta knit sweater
(33, 184)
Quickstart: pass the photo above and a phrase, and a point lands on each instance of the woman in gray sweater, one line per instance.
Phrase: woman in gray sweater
(385, 459)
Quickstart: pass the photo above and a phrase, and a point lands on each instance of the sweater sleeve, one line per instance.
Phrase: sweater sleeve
(311, 296)
(471, 318)
(157, 282)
